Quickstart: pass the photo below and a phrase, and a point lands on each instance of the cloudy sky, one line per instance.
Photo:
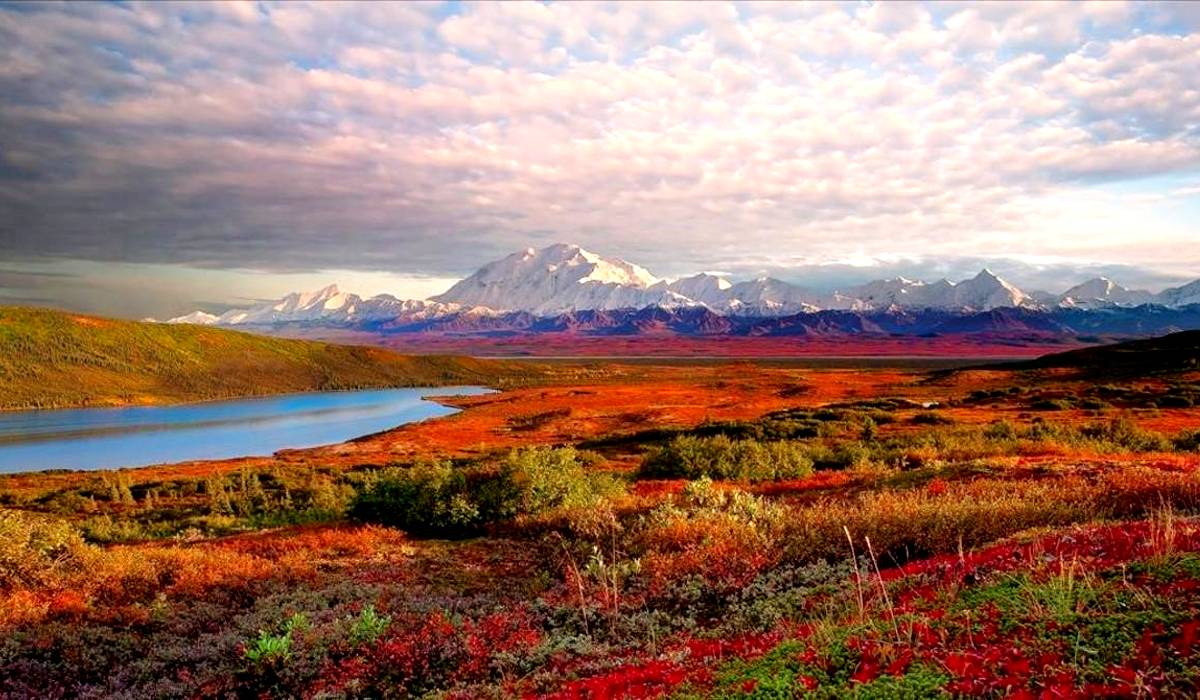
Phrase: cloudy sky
(155, 157)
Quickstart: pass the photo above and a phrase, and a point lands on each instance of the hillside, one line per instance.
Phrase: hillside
(58, 359)
(1169, 354)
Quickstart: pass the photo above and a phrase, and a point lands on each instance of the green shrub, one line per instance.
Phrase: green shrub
(268, 648)
(368, 626)
(554, 478)
(850, 455)
(1123, 433)
(1000, 430)
(718, 457)
(105, 530)
(436, 498)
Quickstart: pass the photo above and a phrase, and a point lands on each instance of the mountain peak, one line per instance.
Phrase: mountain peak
(1181, 296)
(1097, 286)
(564, 278)
(561, 250)
(559, 277)
(326, 292)
(704, 287)
(1100, 292)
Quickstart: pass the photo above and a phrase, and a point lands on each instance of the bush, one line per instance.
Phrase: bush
(1188, 441)
(1051, 405)
(720, 536)
(436, 498)
(550, 478)
(718, 457)
(1000, 430)
(428, 498)
(35, 550)
(1123, 433)
(851, 455)
(931, 418)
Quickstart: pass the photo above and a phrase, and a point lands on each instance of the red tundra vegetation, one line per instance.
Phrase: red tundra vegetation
(706, 530)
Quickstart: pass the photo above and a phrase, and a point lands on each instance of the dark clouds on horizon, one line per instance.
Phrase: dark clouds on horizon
(426, 139)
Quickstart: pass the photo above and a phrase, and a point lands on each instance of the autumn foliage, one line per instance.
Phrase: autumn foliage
(848, 539)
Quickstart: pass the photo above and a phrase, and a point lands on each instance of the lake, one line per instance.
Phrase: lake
(104, 438)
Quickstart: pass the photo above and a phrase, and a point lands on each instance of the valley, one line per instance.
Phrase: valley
(649, 346)
(709, 528)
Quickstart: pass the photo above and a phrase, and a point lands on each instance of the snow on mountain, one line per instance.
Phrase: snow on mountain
(558, 279)
(565, 279)
(882, 294)
(982, 292)
(710, 290)
(325, 305)
(196, 318)
(1101, 292)
(764, 296)
(1180, 296)
(767, 296)
(1043, 298)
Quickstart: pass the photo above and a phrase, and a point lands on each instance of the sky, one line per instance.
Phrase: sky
(161, 157)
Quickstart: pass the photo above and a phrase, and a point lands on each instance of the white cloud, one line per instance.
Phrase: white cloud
(426, 138)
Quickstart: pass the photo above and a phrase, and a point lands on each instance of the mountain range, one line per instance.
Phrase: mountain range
(565, 288)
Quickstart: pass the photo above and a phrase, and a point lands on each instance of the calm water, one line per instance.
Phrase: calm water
(102, 438)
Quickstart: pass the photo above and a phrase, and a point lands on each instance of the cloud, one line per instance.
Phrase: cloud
(427, 138)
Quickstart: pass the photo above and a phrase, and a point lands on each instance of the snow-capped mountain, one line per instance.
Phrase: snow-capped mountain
(1180, 296)
(558, 279)
(710, 290)
(196, 318)
(767, 296)
(564, 279)
(882, 294)
(764, 296)
(982, 292)
(325, 305)
(1101, 292)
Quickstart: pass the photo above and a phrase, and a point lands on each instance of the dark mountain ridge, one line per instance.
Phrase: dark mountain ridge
(1111, 323)
(1170, 354)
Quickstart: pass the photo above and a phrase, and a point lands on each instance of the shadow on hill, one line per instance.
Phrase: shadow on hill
(1170, 354)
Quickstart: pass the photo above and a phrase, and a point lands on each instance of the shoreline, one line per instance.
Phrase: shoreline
(233, 397)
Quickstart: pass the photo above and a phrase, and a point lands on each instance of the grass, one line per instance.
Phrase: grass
(53, 359)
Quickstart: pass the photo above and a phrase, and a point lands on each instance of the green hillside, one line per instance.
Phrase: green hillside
(59, 359)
